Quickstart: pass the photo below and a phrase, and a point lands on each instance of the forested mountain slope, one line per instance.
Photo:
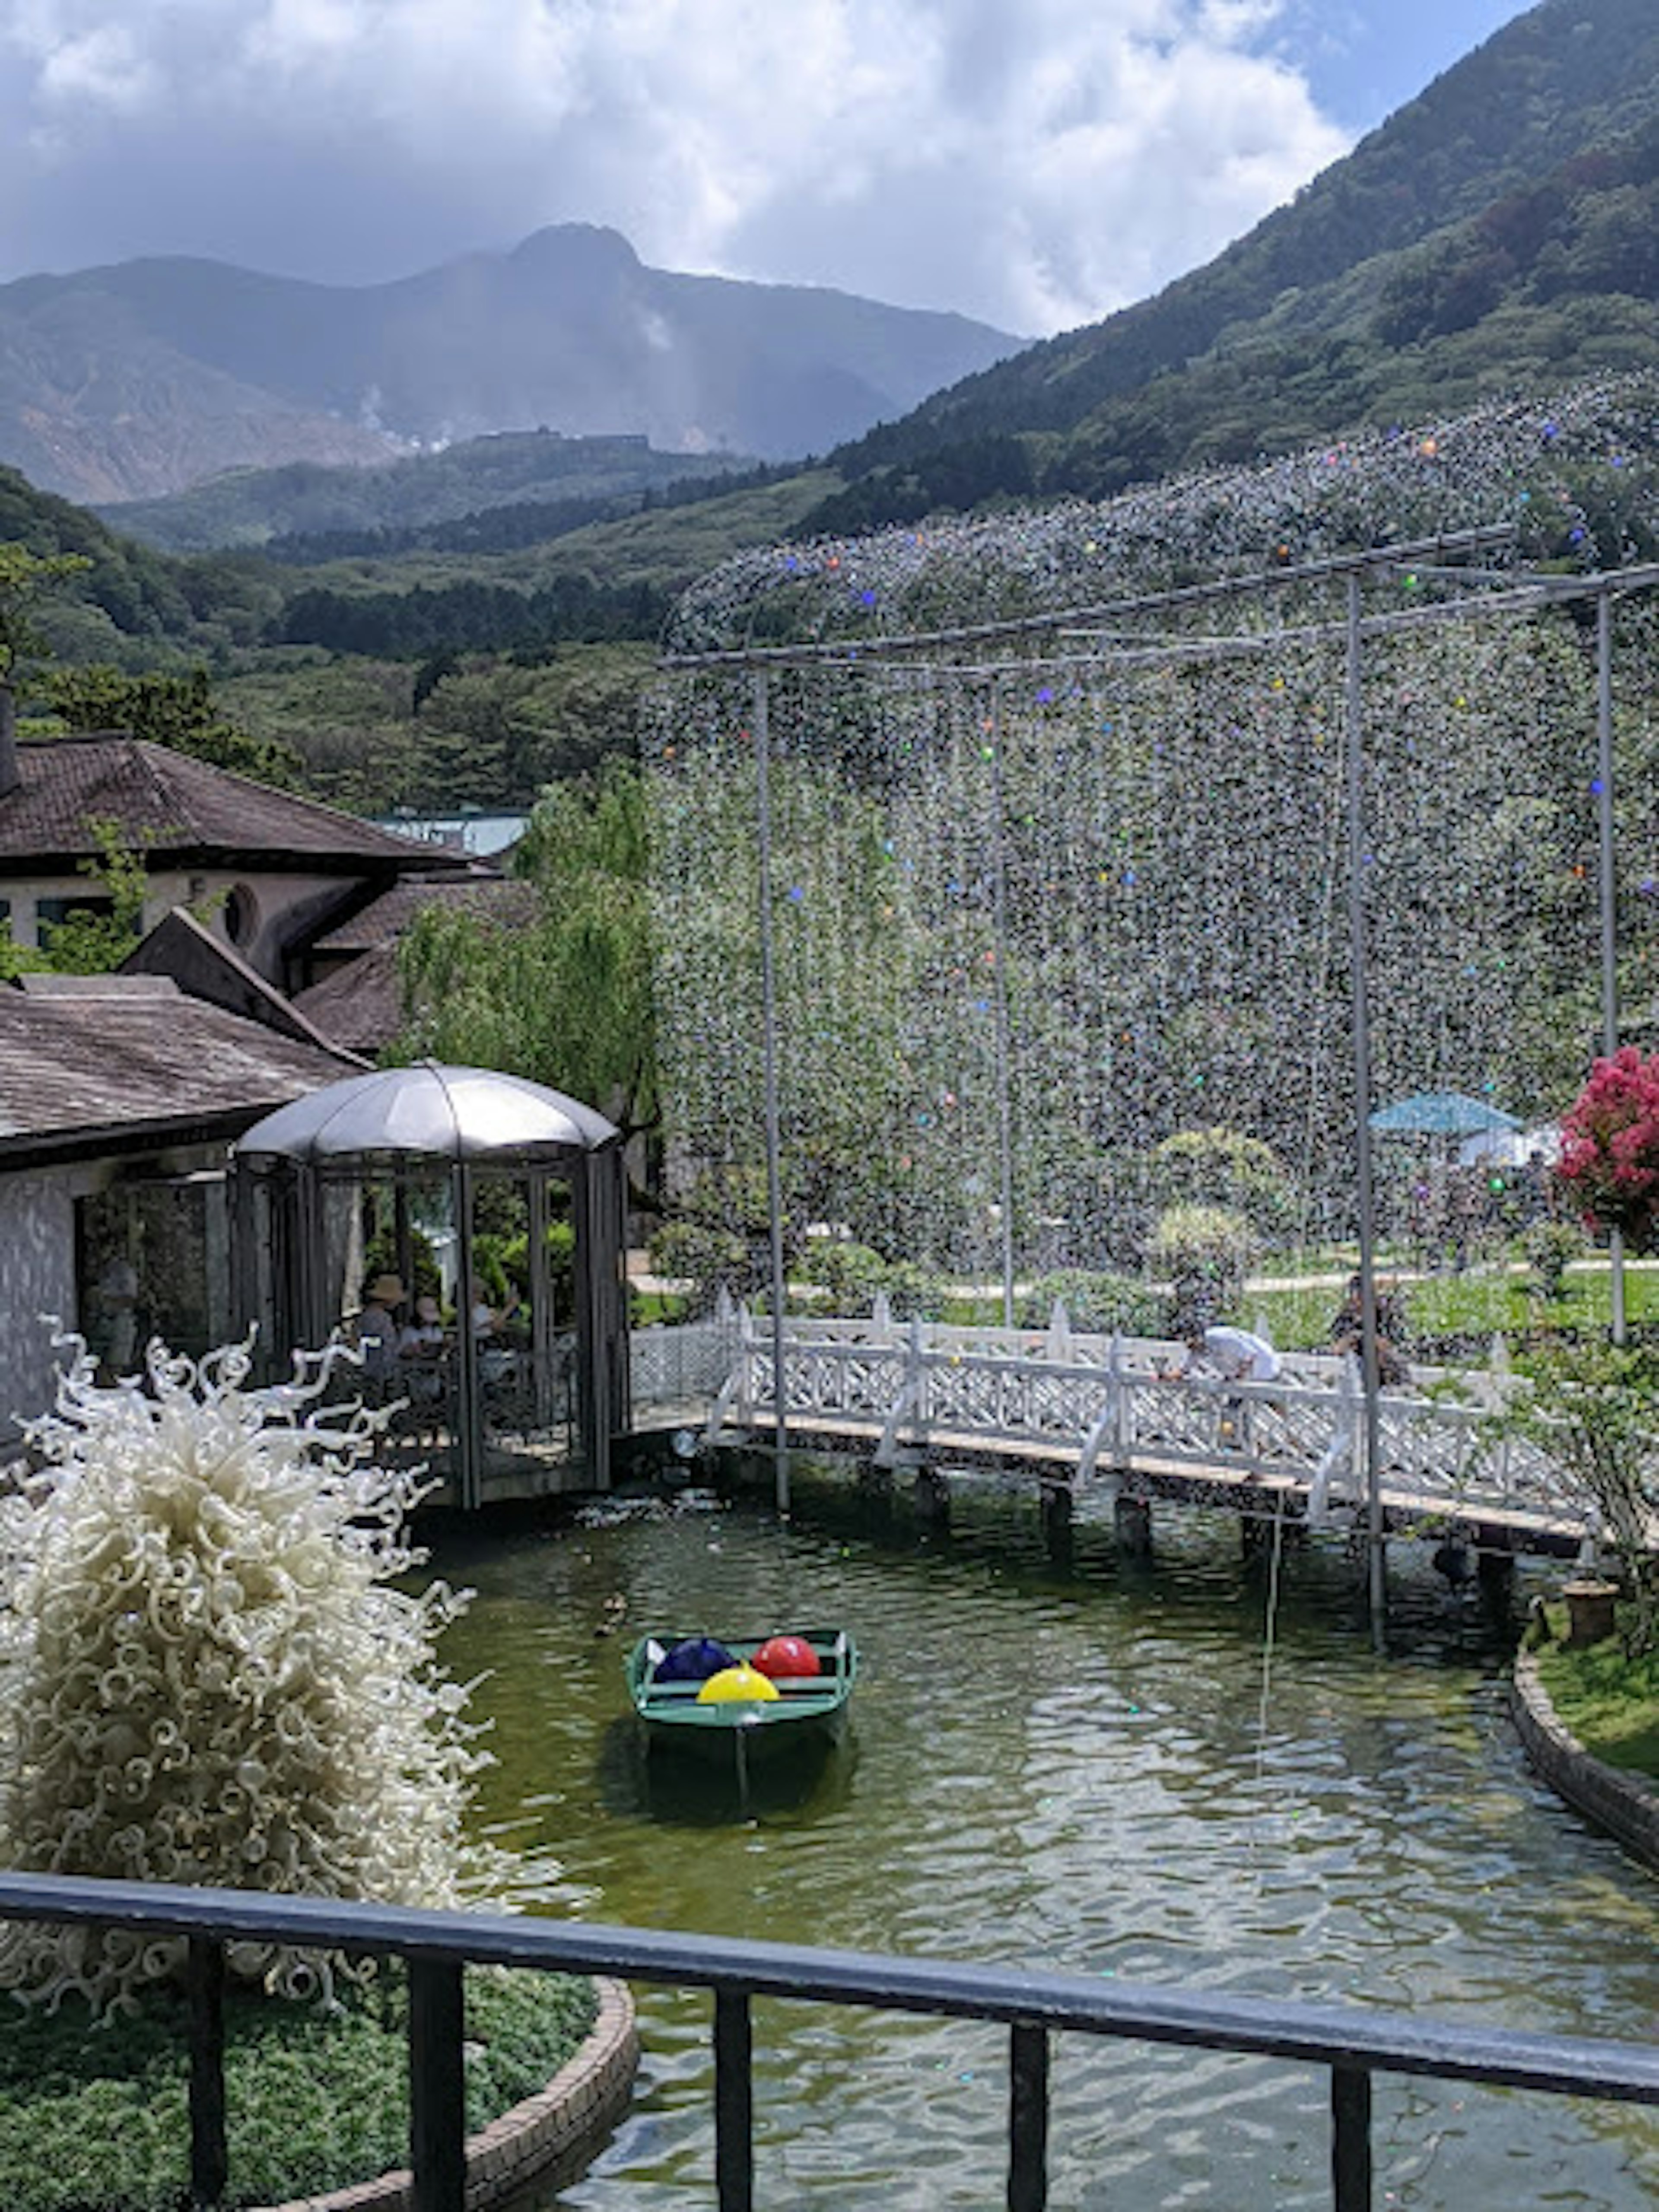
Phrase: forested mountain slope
(1499, 234)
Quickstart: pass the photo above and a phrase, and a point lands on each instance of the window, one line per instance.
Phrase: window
(241, 916)
(53, 912)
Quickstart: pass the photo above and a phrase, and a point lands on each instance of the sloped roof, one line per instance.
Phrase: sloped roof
(511, 903)
(171, 803)
(93, 1064)
(208, 969)
(360, 1006)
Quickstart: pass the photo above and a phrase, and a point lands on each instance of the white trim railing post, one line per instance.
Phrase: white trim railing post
(746, 1370)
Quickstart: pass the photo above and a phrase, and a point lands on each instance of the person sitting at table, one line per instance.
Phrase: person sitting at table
(422, 1337)
(375, 1331)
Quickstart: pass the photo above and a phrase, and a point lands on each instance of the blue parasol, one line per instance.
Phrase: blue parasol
(1440, 1114)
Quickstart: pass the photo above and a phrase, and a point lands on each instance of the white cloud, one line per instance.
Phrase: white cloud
(1035, 165)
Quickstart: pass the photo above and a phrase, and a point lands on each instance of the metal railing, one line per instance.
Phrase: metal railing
(1349, 2046)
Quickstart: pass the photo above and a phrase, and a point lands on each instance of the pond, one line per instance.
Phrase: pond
(1107, 1767)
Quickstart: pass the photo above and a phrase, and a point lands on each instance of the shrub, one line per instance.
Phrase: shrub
(1223, 1168)
(1097, 1301)
(1550, 1247)
(1609, 1163)
(851, 1273)
(1205, 1250)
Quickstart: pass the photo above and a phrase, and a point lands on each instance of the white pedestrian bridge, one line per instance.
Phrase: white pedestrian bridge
(1075, 1412)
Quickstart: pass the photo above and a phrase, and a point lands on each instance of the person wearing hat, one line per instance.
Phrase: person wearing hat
(376, 1330)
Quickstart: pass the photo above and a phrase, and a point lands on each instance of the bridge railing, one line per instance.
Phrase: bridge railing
(1349, 2045)
(1099, 1406)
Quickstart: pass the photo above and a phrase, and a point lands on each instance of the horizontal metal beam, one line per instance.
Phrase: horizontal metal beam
(1317, 2035)
(899, 646)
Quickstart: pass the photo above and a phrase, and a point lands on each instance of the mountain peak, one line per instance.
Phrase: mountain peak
(568, 250)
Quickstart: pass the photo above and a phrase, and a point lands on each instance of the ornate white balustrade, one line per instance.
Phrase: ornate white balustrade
(1085, 1409)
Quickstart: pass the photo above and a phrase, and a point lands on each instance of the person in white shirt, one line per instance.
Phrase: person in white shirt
(1235, 1355)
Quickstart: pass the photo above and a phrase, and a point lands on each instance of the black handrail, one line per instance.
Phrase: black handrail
(1351, 2044)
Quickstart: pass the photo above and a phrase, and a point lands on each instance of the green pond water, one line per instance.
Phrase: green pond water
(1066, 1767)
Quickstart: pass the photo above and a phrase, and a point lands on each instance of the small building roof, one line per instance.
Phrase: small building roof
(501, 898)
(95, 1064)
(360, 1007)
(206, 967)
(432, 1111)
(184, 809)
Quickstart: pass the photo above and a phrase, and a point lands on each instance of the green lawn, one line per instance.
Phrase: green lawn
(1609, 1702)
(1477, 1303)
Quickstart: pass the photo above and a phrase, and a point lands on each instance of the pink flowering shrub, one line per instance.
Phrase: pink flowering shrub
(1609, 1163)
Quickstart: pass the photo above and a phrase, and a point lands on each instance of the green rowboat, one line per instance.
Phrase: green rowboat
(808, 1710)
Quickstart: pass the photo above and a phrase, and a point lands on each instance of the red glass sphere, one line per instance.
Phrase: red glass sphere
(781, 1656)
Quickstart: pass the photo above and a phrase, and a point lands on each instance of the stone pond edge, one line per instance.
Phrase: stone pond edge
(1615, 1800)
(559, 2127)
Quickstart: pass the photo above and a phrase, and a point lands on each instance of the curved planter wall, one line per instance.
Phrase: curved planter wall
(555, 2132)
(1614, 1800)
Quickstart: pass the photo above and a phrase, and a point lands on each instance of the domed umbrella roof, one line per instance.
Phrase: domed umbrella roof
(432, 1111)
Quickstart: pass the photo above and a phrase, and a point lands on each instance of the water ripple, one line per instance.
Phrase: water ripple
(1067, 1771)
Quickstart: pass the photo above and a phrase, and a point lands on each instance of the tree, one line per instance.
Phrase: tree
(175, 711)
(1592, 1408)
(1609, 1165)
(24, 576)
(567, 1000)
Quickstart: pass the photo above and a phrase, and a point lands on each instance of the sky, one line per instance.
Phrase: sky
(1035, 164)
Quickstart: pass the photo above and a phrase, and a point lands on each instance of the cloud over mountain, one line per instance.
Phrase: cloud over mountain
(1034, 165)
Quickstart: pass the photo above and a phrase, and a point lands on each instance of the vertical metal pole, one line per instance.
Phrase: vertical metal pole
(1000, 1000)
(467, 1442)
(538, 1289)
(770, 1023)
(209, 2165)
(1609, 902)
(1377, 1580)
(734, 2103)
(437, 2085)
(1028, 2119)
(1350, 2139)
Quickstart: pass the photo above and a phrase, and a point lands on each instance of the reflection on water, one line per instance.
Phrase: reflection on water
(1068, 1769)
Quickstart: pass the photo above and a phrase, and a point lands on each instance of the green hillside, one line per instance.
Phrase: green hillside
(1500, 234)
(306, 513)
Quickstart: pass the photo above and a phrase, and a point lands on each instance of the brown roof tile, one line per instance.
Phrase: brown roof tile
(360, 1006)
(111, 1061)
(384, 918)
(176, 805)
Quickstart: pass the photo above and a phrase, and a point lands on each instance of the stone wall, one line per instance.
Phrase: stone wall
(548, 2138)
(37, 1236)
(1619, 1801)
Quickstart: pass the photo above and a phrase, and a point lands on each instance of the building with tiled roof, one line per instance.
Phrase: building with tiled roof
(118, 1098)
(270, 870)
(354, 993)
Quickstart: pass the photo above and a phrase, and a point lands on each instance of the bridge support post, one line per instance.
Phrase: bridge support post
(933, 1497)
(1132, 1519)
(1055, 1508)
(1495, 1572)
(875, 1489)
(1255, 1532)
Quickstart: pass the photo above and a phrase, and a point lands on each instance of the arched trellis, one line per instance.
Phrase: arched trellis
(417, 1154)
(1389, 596)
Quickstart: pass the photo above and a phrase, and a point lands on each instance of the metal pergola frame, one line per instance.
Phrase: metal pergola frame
(1089, 638)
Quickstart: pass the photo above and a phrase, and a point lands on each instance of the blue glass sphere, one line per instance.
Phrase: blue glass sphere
(693, 1661)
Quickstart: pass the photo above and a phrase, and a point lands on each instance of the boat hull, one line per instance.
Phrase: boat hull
(808, 1714)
